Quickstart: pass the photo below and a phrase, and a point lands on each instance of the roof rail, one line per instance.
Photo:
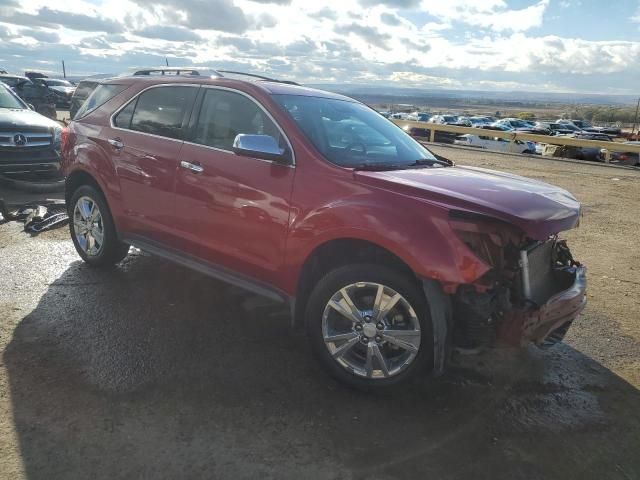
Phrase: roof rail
(259, 77)
(173, 71)
(206, 71)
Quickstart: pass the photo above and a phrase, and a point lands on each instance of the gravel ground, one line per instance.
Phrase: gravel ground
(152, 371)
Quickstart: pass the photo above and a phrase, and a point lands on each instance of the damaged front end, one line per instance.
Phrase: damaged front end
(531, 292)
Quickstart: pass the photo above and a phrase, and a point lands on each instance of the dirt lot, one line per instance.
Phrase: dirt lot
(153, 371)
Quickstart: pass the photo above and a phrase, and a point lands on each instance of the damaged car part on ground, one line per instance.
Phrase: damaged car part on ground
(37, 217)
(387, 254)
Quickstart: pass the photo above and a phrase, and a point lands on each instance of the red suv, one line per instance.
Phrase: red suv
(390, 255)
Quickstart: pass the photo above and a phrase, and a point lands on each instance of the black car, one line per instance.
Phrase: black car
(29, 142)
(39, 95)
(61, 89)
(425, 134)
(587, 127)
(623, 158)
(562, 129)
(82, 92)
(12, 80)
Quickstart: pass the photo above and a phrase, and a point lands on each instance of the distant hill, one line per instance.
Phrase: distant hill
(390, 94)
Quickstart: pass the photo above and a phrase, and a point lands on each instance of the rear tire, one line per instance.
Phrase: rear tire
(378, 346)
(92, 229)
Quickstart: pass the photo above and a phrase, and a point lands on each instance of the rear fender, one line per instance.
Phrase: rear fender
(86, 153)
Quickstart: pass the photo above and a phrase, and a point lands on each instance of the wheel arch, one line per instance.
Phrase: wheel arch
(79, 177)
(339, 251)
(76, 179)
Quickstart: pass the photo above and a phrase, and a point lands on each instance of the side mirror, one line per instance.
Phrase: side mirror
(260, 146)
(31, 107)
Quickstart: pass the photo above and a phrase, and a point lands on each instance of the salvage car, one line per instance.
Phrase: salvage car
(39, 95)
(12, 80)
(514, 123)
(80, 94)
(62, 89)
(496, 144)
(444, 119)
(29, 142)
(425, 134)
(419, 116)
(588, 127)
(576, 152)
(389, 256)
(622, 158)
(560, 128)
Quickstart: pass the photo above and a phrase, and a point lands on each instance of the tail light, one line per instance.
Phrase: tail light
(64, 137)
(64, 141)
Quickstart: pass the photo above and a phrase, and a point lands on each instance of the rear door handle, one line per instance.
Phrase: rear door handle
(116, 143)
(194, 167)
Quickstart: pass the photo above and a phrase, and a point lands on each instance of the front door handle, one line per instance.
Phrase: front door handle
(194, 167)
(116, 143)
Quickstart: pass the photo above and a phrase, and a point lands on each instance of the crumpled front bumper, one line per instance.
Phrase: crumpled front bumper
(522, 326)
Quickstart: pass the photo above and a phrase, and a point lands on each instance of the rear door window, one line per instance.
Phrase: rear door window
(162, 111)
(123, 118)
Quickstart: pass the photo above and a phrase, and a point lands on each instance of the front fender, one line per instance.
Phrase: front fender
(415, 231)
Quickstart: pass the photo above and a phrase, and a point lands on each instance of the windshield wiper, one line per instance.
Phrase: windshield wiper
(420, 163)
(429, 162)
(379, 167)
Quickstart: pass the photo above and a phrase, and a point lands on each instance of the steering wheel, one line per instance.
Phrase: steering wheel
(351, 149)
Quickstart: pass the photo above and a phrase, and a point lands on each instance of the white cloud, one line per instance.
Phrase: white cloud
(492, 14)
(332, 40)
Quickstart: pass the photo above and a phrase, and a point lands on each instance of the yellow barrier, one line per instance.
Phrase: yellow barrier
(512, 136)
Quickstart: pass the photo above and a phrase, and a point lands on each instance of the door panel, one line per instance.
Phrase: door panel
(146, 170)
(146, 143)
(235, 212)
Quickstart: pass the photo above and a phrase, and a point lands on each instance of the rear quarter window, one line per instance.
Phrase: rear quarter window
(101, 95)
(84, 89)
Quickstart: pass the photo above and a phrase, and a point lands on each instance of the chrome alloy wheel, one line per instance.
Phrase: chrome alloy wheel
(371, 330)
(88, 226)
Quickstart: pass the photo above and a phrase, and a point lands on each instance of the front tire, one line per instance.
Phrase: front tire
(92, 229)
(370, 326)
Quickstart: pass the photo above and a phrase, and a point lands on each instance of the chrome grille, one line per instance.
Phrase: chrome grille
(18, 139)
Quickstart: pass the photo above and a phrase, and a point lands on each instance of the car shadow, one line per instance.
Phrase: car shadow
(149, 370)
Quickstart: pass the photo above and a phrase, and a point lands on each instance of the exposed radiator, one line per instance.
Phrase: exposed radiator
(538, 275)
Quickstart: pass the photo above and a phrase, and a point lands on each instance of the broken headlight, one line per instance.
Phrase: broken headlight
(485, 236)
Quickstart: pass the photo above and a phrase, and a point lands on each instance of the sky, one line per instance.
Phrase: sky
(585, 46)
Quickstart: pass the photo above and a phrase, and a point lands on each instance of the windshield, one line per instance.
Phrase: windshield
(351, 134)
(58, 83)
(8, 100)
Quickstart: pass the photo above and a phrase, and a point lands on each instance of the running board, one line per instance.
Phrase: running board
(209, 269)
